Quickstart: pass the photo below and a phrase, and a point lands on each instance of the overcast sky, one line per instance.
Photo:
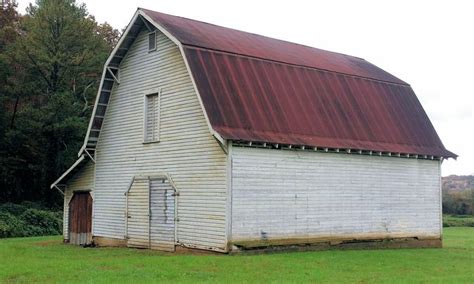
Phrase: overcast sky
(429, 44)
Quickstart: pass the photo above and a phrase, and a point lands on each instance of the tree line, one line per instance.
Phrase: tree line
(51, 61)
(458, 202)
(458, 195)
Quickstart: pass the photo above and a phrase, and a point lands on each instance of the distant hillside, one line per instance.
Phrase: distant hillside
(458, 183)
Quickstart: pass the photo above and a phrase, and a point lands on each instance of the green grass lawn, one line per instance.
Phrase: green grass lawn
(46, 259)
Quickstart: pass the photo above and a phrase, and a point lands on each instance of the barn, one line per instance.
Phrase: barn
(211, 138)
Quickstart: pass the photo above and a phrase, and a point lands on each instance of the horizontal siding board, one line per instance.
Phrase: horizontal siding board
(187, 151)
(282, 193)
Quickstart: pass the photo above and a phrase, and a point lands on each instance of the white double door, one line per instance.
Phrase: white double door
(151, 214)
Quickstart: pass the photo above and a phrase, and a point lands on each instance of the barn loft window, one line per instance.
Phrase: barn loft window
(152, 118)
(151, 41)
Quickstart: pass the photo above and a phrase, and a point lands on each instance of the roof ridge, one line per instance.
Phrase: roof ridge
(255, 34)
(214, 37)
(404, 84)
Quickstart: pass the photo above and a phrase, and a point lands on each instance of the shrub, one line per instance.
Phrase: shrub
(9, 225)
(30, 219)
(14, 209)
(458, 202)
(458, 220)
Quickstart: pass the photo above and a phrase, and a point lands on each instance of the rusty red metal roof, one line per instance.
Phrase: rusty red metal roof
(195, 33)
(256, 88)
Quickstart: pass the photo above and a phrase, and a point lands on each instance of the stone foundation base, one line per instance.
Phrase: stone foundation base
(338, 245)
(287, 245)
(195, 251)
(109, 242)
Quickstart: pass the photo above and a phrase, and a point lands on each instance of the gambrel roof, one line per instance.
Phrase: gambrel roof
(258, 89)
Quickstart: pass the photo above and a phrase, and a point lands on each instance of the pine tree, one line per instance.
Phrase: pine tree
(58, 54)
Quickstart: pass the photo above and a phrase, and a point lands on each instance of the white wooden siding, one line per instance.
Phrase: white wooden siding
(186, 150)
(82, 180)
(281, 194)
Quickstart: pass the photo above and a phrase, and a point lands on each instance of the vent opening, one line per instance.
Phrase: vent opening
(151, 41)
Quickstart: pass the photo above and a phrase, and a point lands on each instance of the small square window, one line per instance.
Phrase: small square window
(151, 41)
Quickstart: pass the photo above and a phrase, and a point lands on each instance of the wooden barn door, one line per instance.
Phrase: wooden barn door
(80, 219)
(162, 219)
(138, 214)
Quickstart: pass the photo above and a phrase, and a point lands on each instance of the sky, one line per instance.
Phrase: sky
(429, 44)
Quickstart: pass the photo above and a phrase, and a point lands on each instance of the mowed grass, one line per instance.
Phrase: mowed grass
(46, 259)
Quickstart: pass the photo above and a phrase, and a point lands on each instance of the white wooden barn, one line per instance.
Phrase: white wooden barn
(212, 138)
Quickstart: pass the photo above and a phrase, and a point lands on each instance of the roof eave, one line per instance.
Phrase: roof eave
(77, 163)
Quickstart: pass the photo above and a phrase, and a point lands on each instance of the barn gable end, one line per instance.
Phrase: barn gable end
(186, 149)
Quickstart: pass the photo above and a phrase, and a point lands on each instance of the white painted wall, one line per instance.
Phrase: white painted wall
(186, 150)
(82, 180)
(283, 193)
